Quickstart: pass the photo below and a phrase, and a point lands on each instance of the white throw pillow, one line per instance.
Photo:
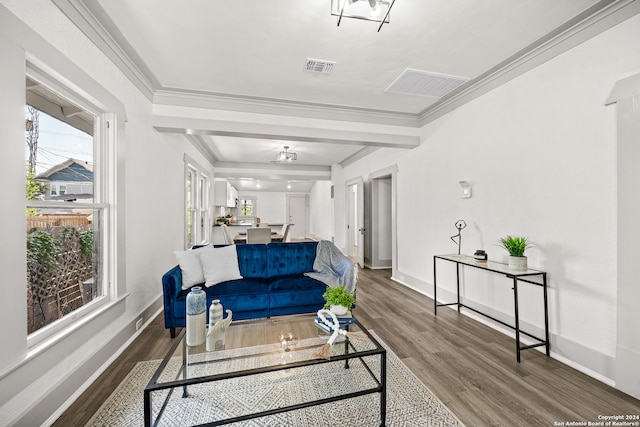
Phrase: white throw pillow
(191, 267)
(219, 264)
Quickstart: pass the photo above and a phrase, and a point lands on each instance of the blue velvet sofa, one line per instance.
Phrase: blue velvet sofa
(273, 284)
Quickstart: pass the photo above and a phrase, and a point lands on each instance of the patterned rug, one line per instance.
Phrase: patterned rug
(409, 402)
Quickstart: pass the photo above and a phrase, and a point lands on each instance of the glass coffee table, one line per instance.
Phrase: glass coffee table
(266, 368)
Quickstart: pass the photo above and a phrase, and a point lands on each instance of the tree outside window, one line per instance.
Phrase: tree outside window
(64, 254)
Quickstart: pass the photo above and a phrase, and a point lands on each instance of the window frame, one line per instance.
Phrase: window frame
(197, 218)
(254, 203)
(104, 194)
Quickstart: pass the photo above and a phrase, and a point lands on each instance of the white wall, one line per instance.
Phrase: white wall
(12, 214)
(271, 206)
(320, 208)
(540, 153)
(36, 383)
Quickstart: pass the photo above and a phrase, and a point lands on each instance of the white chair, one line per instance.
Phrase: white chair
(285, 231)
(259, 235)
(226, 233)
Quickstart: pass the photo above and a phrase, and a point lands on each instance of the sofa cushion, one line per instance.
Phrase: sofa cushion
(219, 264)
(252, 260)
(285, 259)
(296, 290)
(191, 267)
(239, 287)
(237, 295)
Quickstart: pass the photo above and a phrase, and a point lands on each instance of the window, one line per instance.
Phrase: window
(66, 139)
(204, 220)
(57, 189)
(247, 207)
(197, 218)
(190, 200)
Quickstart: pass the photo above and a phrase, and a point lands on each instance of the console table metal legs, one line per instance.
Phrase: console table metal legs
(541, 342)
(516, 277)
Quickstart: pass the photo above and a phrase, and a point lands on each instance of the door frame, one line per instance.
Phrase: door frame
(389, 172)
(360, 221)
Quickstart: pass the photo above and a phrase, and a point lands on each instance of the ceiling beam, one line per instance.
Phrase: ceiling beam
(191, 126)
(272, 171)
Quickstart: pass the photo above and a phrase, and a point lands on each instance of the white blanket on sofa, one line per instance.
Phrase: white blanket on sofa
(333, 268)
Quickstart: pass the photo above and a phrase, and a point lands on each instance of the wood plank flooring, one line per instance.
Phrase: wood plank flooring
(470, 367)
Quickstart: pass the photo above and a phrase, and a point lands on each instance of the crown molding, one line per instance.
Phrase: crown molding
(91, 19)
(203, 148)
(591, 22)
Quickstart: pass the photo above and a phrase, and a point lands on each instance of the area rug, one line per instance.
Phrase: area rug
(409, 401)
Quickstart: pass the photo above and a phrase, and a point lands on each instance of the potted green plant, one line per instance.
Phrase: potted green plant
(516, 245)
(339, 300)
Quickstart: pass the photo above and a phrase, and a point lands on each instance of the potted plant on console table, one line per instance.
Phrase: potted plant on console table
(516, 245)
(339, 300)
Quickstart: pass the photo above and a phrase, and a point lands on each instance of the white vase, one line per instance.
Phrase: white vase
(196, 316)
(517, 263)
(215, 312)
(338, 310)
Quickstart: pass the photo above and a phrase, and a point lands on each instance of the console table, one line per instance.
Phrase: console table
(515, 275)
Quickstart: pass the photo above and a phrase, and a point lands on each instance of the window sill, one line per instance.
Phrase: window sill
(55, 338)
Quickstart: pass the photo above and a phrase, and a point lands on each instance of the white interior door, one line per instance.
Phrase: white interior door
(355, 220)
(381, 235)
(297, 212)
(360, 221)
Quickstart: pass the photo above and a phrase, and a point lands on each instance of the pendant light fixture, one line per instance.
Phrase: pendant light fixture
(369, 10)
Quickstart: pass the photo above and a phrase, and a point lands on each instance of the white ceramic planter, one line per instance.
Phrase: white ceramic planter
(517, 262)
(339, 310)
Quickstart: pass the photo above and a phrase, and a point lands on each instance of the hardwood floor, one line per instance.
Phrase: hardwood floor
(470, 367)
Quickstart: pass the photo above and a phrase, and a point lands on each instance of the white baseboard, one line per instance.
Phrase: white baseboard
(562, 349)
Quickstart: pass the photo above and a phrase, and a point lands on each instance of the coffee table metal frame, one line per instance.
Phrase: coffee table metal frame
(381, 387)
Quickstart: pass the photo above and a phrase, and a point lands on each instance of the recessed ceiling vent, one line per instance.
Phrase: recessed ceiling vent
(425, 83)
(319, 66)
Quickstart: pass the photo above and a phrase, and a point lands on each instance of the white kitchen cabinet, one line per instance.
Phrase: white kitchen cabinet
(225, 194)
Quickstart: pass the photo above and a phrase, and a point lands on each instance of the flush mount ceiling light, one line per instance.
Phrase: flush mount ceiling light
(369, 10)
(286, 155)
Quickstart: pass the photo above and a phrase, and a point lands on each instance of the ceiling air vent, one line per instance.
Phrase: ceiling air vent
(425, 83)
(319, 66)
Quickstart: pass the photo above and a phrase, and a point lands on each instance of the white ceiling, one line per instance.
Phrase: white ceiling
(255, 51)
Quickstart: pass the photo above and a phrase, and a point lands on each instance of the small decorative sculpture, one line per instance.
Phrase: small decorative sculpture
(460, 225)
(218, 332)
(334, 324)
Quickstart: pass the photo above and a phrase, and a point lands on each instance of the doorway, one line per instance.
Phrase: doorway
(383, 250)
(381, 236)
(355, 220)
(297, 213)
